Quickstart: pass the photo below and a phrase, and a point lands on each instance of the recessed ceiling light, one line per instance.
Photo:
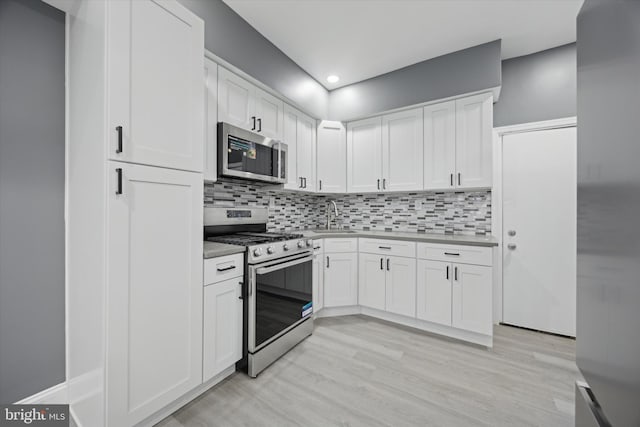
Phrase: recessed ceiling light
(333, 78)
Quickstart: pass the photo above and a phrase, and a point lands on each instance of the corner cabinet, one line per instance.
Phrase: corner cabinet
(340, 272)
(331, 157)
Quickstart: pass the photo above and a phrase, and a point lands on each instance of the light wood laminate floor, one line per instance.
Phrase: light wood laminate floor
(358, 371)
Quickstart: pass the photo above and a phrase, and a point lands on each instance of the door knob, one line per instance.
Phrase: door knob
(511, 233)
(511, 246)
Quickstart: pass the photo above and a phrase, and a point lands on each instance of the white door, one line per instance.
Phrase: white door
(433, 293)
(402, 150)
(156, 58)
(401, 285)
(472, 298)
(270, 114)
(290, 137)
(222, 327)
(236, 100)
(340, 279)
(317, 291)
(154, 270)
(331, 155)
(539, 220)
(371, 281)
(364, 151)
(474, 128)
(210, 120)
(306, 152)
(440, 146)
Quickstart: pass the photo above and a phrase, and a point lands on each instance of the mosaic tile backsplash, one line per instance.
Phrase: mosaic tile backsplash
(466, 213)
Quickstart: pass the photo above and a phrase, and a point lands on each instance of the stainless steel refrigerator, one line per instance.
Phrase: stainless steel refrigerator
(608, 311)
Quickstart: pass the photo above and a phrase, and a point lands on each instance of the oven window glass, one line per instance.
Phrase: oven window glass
(246, 156)
(283, 297)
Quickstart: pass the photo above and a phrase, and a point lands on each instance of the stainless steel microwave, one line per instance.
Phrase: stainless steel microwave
(248, 155)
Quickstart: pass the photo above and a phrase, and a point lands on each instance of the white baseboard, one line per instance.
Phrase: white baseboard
(54, 395)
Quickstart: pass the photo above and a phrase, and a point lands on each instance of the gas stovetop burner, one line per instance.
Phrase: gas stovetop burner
(249, 239)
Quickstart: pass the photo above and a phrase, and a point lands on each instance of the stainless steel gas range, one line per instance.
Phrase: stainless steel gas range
(277, 285)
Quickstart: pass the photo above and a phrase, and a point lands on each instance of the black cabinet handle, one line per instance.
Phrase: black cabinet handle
(378, 184)
(451, 253)
(447, 272)
(455, 273)
(305, 182)
(259, 125)
(451, 179)
(327, 262)
(241, 284)
(254, 122)
(231, 267)
(301, 182)
(119, 173)
(320, 185)
(384, 247)
(119, 130)
(382, 264)
(384, 183)
(459, 178)
(388, 265)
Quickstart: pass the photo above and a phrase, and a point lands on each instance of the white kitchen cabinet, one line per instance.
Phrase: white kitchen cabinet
(364, 156)
(401, 286)
(154, 71)
(340, 279)
(433, 294)
(210, 120)
(371, 281)
(222, 330)
(154, 290)
(318, 276)
(299, 135)
(331, 155)
(402, 150)
(243, 104)
(472, 298)
(440, 146)
(474, 127)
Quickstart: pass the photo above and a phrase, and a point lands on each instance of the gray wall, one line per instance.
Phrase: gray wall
(540, 86)
(231, 38)
(32, 355)
(464, 71)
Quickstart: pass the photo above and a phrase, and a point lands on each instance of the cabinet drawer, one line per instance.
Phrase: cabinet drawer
(388, 247)
(340, 245)
(318, 245)
(478, 255)
(223, 268)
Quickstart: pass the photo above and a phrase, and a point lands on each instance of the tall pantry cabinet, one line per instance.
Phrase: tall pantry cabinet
(134, 208)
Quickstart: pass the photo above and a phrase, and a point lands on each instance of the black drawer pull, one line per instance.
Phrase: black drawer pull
(451, 253)
(231, 267)
(384, 247)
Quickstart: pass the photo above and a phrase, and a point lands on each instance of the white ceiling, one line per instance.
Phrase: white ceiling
(359, 39)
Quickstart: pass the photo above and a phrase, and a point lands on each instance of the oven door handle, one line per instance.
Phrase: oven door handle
(266, 270)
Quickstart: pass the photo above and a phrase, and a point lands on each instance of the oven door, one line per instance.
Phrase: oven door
(279, 298)
(247, 155)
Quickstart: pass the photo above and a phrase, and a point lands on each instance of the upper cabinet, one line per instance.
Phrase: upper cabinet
(244, 105)
(155, 84)
(458, 143)
(211, 120)
(402, 151)
(364, 155)
(300, 136)
(331, 157)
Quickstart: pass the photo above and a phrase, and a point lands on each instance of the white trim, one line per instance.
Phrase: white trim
(496, 197)
(53, 395)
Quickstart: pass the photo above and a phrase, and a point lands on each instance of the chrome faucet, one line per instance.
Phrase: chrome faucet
(335, 213)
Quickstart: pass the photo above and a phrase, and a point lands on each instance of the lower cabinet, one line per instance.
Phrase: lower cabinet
(433, 293)
(340, 279)
(222, 326)
(388, 283)
(372, 281)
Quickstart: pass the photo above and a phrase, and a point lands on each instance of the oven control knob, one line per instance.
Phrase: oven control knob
(285, 247)
(309, 243)
(257, 252)
(301, 244)
(270, 250)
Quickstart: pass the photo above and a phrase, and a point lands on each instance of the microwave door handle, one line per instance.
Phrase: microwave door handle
(266, 270)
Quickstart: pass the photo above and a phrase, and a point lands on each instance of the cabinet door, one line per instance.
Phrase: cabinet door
(433, 293)
(402, 150)
(364, 151)
(222, 327)
(211, 120)
(307, 152)
(340, 279)
(270, 115)
(236, 100)
(156, 57)
(331, 149)
(290, 137)
(318, 282)
(155, 273)
(440, 146)
(401, 286)
(474, 127)
(371, 281)
(472, 290)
